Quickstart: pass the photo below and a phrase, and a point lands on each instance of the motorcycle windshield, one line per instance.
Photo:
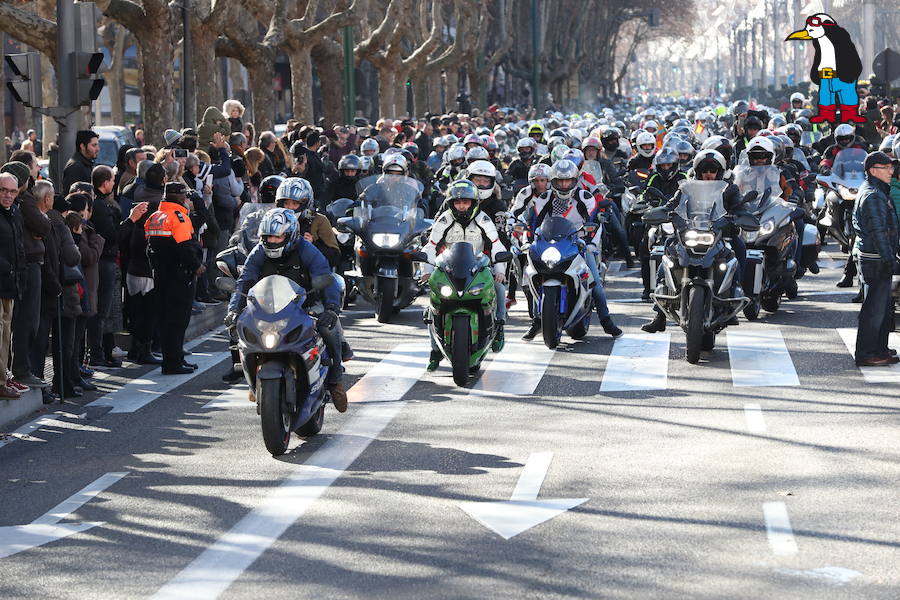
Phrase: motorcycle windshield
(701, 203)
(849, 166)
(274, 293)
(591, 176)
(250, 217)
(808, 138)
(799, 157)
(556, 228)
(389, 198)
(758, 179)
(461, 262)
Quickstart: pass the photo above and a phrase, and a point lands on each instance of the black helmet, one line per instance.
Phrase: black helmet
(739, 108)
(752, 123)
(268, 187)
(350, 162)
(670, 118)
(463, 189)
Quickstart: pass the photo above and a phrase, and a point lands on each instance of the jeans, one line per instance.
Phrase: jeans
(106, 287)
(876, 315)
(500, 291)
(830, 90)
(25, 320)
(598, 293)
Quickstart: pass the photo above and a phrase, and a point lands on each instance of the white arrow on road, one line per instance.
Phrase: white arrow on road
(47, 528)
(523, 510)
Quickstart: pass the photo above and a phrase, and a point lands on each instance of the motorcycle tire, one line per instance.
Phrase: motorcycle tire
(459, 349)
(577, 331)
(276, 427)
(696, 310)
(770, 303)
(385, 294)
(751, 312)
(550, 317)
(314, 425)
(709, 341)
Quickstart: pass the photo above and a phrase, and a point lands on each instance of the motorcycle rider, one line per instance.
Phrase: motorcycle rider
(797, 102)
(463, 221)
(709, 165)
(282, 250)
(344, 185)
(844, 137)
(752, 126)
(568, 200)
(645, 143)
(536, 132)
(369, 147)
(518, 168)
(296, 195)
(665, 179)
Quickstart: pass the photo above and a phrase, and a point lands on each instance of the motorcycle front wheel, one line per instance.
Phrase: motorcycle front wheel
(276, 426)
(550, 317)
(459, 349)
(385, 293)
(694, 331)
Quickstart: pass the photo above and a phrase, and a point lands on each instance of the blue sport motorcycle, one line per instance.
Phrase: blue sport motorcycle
(285, 361)
(560, 280)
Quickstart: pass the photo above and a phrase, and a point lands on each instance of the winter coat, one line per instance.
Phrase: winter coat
(895, 195)
(36, 227)
(90, 245)
(105, 219)
(12, 252)
(875, 223)
(59, 250)
(213, 120)
(77, 169)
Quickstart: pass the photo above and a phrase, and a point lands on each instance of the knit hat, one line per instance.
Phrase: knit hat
(873, 159)
(205, 169)
(19, 169)
(171, 137)
(175, 188)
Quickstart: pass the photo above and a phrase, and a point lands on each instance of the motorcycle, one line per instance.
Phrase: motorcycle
(284, 360)
(699, 269)
(770, 266)
(837, 194)
(463, 304)
(387, 224)
(560, 279)
(346, 241)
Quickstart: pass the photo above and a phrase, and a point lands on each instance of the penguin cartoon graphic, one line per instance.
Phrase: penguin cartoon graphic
(835, 68)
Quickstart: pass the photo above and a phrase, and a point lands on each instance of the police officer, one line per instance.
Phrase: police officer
(175, 259)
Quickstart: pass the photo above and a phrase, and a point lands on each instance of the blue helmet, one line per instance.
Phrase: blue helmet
(279, 221)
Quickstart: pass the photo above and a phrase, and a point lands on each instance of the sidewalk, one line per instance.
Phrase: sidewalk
(30, 402)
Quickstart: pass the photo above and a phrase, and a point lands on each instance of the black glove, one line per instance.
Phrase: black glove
(328, 319)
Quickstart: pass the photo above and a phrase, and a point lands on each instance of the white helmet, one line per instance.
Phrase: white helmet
(844, 130)
(798, 96)
(651, 123)
(393, 163)
(539, 170)
(485, 169)
(761, 145)
(477, 153)
(564, 169)
(709, 154)
(368, 144)
(455, 152)
(645, 138)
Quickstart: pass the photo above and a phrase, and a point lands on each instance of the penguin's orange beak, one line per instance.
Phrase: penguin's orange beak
(799, 35)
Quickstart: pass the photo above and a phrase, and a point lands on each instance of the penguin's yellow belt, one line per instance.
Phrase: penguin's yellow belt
(826, 73)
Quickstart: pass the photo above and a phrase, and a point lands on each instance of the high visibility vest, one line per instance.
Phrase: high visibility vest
(170, 221)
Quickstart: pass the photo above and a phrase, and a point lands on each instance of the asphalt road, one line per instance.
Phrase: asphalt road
(767, 470)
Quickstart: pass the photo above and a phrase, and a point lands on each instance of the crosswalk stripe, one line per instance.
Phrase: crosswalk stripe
(778, 529)
(515, 371)
(889, 374)
(759, 358)
(756, 423)
(638, 362)
(393, 376)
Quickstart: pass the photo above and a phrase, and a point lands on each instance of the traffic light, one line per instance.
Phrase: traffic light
(26, 66)
(88, 84)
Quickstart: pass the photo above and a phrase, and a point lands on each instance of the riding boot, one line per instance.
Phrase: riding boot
(533, 330)
(657, 324)
(645, 278)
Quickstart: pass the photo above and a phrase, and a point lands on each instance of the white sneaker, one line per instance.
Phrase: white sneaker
(118, 353)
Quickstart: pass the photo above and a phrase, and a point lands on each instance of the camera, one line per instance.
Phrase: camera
(181, 153)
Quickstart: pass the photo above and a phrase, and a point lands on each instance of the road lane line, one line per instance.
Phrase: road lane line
(211, 573)
(25, 431)
(393, 376)
(638, 362)
(778, 529)
(232, 397)
(889, 374)
(760, 359)
(514, 371)
(755, 421)
(78, 499)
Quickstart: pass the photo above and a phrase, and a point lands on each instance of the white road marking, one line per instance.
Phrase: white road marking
(759, 358)
(211, 573)
(523, 510)
(49, 420)
(514, 371)
(393, 376)
(638, 362)
(755, 421)
(625, 300)
(778, 529)
(46, 528)
(832, 575)
(889, 374)
(236, 396)
(850, 292)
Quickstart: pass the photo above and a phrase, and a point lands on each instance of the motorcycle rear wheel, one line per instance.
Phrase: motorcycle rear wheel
(694, 331)
(550, 317)
(752, 310)
(276, 432)
(459, 349)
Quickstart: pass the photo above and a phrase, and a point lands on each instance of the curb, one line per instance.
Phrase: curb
(12, 410)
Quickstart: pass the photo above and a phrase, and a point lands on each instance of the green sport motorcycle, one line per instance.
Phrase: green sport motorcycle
(463, 304)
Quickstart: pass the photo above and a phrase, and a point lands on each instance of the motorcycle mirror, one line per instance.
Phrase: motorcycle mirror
(655, 216)
(503, 257)
(750, 196)
(747, 222)
(419, 257)
(226, 284)
(322, 281)
(342, 224)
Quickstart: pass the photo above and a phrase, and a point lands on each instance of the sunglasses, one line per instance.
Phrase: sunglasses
(817, 22)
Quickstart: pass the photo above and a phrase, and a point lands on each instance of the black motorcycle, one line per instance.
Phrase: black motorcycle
(387, 225)
(346, 242)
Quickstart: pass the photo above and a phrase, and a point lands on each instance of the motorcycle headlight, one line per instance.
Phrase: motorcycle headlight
(446, 291)
(847, 193)
(386, 240)
(767, 227)
(750, 236)
(343, 237)
(475, 289)
(693, 238)
(550, 257)
(269, 340)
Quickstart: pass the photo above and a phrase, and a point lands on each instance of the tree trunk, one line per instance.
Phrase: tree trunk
(434, 92)
(452, 88)
(207, 89)
(476, 87)
(328, 56)
(420, 94)
(263, 94)
(115, 78)
(48, 98)
(158, 106)
(387, 88)
(301, 83)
